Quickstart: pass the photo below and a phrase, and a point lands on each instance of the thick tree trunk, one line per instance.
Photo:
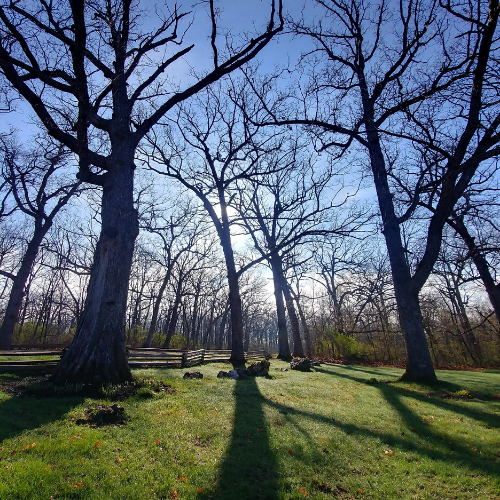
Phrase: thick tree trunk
(97, 355)
(18, 284)
(283, 345)
(418, 359)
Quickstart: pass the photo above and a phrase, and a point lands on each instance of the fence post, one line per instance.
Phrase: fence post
(184, 359)
(203, 356)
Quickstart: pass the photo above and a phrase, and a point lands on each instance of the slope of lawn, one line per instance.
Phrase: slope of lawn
(336, 432)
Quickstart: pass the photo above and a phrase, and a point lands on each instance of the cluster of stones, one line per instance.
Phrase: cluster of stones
(254, 370)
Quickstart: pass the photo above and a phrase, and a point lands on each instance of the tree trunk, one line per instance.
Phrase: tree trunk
(237, 352)
(305, 327)
(492, 289)
(18, 284)
(220, 336)
(156, 309)
(298, 350)
(175, 314)
(283, 346)
(97, 355)
(418, 359)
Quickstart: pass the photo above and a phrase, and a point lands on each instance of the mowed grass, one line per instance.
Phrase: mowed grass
(336, 432)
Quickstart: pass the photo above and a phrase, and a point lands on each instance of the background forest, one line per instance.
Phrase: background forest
(350, 161)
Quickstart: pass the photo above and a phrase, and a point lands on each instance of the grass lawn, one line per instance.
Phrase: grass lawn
(337, 432)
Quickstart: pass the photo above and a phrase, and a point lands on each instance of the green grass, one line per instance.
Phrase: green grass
(337, 432)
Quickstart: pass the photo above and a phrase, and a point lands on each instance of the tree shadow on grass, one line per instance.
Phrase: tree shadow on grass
(18, 414)
(393, 391)
(422, 440)
(249, 469)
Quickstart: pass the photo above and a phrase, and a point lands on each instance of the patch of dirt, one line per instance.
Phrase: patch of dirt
(103, 415)
(463, 395)
(24, 386)
(41, 387)
(198, 441)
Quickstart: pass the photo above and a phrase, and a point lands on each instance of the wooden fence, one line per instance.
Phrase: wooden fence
(46, 357)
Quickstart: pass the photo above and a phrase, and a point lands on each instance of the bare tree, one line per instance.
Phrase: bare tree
(212, 149)
(371, 84)
(85, 69)
(178, 233)
(41, 191)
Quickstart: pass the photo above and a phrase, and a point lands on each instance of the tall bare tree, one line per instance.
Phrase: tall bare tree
(391, 78)
(213, 148)
(86, 70)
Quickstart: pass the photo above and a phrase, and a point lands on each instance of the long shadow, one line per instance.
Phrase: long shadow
(249, 469)
(18, 414)
(422, 439)
(445, 404)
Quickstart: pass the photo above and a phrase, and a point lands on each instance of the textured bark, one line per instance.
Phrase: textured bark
(237, 353)
(235, 343)
(97, 355)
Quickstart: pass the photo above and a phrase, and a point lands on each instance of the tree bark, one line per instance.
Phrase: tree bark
(418, 359)
(237, 352)
(283, 345)
(298, 349)
(175, 314)
(305, 327)
(97, 355)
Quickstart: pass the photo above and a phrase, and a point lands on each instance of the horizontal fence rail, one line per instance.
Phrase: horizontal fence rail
(47, 356)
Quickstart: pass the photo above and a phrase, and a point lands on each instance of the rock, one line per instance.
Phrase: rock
(257, 369)
(193, 375)
(315, 363)
(301, 364)
(242, 374)
(233, 374)
(223, 374)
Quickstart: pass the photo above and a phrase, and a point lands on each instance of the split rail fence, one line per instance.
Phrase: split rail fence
(46, 357)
